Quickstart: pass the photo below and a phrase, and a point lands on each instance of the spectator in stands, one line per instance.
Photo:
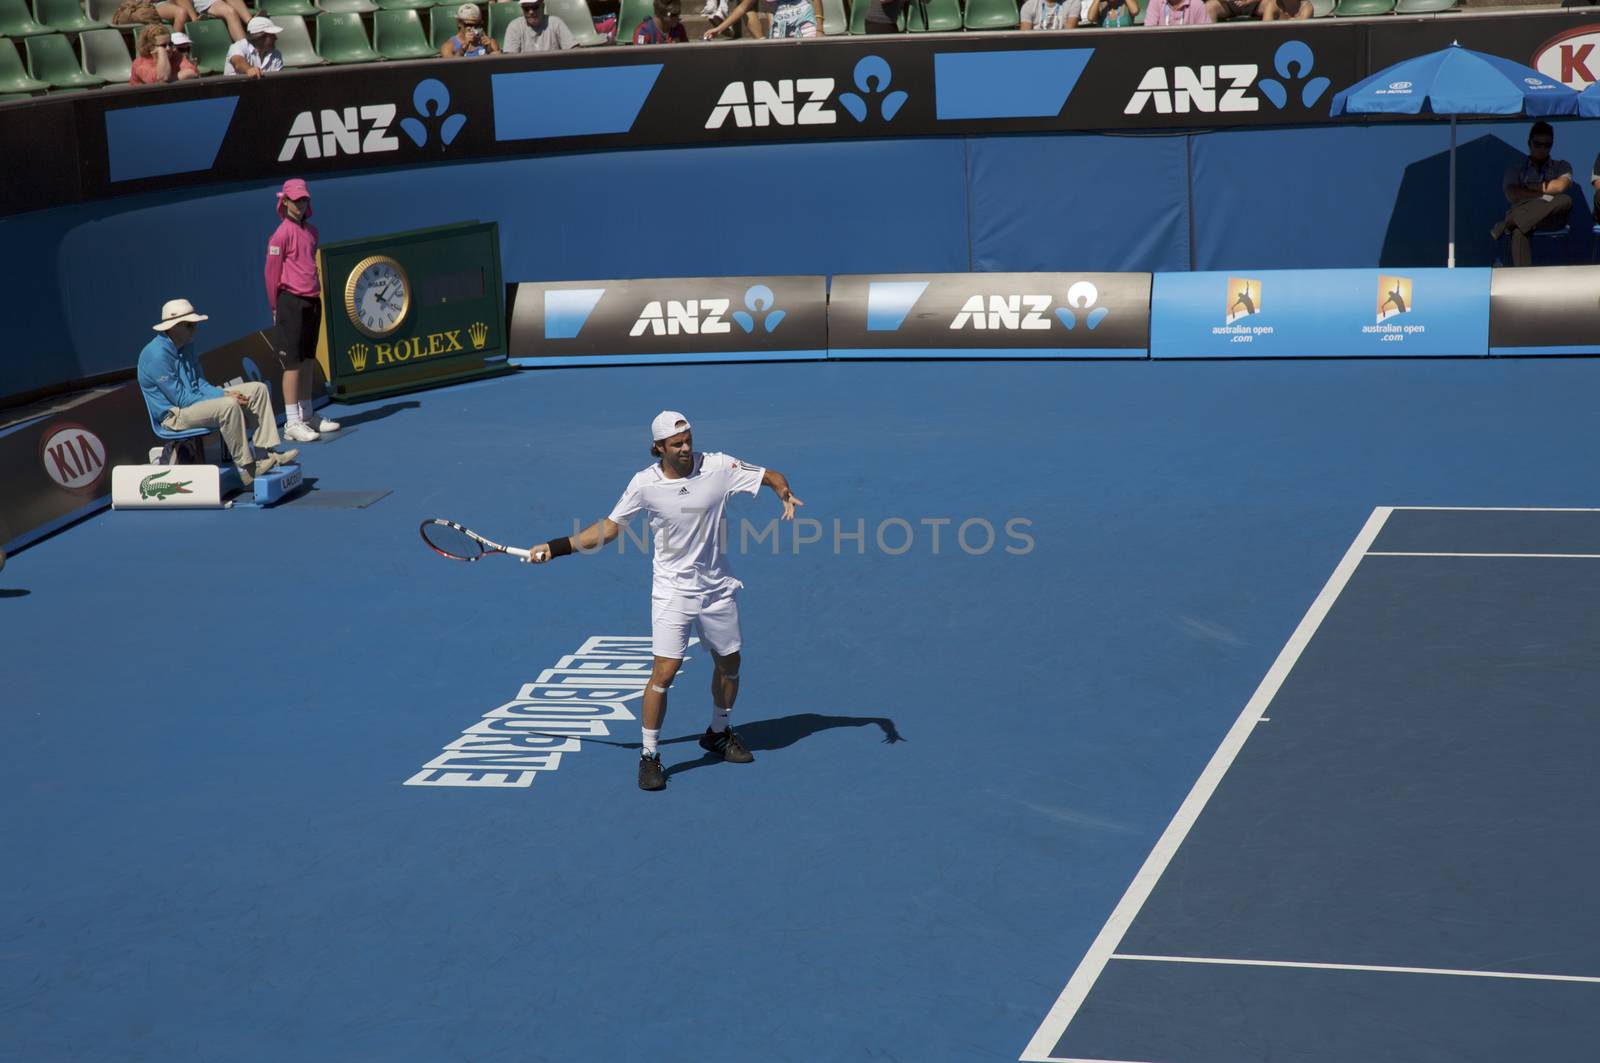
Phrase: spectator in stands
(790, 19)
(1537, 190)
(665, 28)
(538, 31)
(294, 294)
(234, 12)
(258, 53)
(883, 16)
(1053, 14)
(1274, 10)
(179, 397)
(1594, 181)
(1179, 13)
(1111, 14)
(133, 12)
(163, 57)
(471, 40)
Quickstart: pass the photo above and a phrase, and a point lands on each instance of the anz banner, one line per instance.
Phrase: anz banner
(329, 119)
(1333, 313)
(682, 319)
(990, 315)
(1550, 310)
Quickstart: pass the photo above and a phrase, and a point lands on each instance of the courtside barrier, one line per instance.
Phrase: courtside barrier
(990, 315)
(317, 121)
(1322, 313)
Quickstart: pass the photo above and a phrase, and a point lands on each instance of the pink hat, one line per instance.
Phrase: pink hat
(294, 188)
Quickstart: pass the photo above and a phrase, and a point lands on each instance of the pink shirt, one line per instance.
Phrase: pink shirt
(1161, 13)
(292, 261)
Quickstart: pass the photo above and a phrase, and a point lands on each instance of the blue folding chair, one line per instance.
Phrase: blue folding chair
(170, 438)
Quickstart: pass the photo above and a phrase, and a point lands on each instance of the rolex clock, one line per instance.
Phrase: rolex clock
(377, 295)
(412, 309)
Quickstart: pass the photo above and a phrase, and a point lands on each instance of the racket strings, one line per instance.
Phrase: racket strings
(451, 541)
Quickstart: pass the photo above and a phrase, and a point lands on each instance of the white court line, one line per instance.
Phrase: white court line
(1505, 509)
(1360, 967)
(1428, 553)
(1105, 943)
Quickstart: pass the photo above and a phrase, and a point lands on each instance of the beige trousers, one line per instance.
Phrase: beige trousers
(233, 421)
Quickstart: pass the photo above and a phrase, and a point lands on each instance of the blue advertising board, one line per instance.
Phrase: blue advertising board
(1345, 313)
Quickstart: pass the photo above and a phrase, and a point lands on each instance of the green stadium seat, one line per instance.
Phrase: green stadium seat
(502, 15)
(1322, 8)
(405, 5)
(64, 16)
(13, 97)
(211, 43)
(294, 43)
(13, 78)
(105, 54)
(634, 12)
(280, 9)
(994, 15)
(442, 24)
(932, 16)
(17, 21)
(1348, 8)
(102, 10)
(345, 7)
(398, 34)
(575, 13)
(341, 38)
(51, 59)
(1424, 7)
(835, 19)
(858, 16)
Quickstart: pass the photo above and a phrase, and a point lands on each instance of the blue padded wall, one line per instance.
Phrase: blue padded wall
(1083, 202)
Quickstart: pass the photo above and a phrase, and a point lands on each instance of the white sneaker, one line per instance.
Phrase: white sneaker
(300, 432)
(325, 425)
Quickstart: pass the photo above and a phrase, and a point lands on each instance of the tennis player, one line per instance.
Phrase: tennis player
(685, 495)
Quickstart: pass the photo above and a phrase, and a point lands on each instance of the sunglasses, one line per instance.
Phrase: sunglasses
(1541, 143)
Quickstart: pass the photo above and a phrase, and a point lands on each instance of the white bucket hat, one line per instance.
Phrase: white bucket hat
(261, 24)
(176, 312)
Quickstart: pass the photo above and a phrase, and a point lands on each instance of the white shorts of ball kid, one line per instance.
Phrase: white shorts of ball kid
(715, 616)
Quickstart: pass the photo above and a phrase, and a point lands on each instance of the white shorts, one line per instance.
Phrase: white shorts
(715, 617)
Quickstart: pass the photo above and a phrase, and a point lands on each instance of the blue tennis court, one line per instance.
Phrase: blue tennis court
(964, 754)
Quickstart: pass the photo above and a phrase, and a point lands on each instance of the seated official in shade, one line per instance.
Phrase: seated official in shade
(1537, 189)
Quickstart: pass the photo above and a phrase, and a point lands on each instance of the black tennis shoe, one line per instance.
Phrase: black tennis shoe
(726, 744)
(651, 777)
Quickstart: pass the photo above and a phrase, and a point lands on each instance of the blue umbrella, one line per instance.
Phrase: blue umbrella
(1589, 101)
(1457, 81)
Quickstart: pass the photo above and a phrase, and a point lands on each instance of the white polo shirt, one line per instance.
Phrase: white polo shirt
(273, 60)
(687, 517)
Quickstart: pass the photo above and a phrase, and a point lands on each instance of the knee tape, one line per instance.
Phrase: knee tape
(731, 676)
(658, 690)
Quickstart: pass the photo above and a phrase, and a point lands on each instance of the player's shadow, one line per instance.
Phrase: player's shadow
(764, 736)
(388, 409)
(14, 592)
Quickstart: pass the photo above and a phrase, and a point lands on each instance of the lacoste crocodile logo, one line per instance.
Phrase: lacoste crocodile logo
(148, 488)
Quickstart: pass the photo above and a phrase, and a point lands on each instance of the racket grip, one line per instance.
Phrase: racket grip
(519, 552)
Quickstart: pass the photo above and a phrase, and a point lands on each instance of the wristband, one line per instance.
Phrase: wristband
(560, 547)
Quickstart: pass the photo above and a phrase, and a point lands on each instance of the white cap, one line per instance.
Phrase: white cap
(177, 311)
(180, 39)
(668, 423)
(261, 24)
(469, 13)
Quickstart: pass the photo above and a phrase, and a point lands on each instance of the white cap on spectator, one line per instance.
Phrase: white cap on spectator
(176, 312)
(261, 24)
(180, 39)
(469, 13)
(667, 424)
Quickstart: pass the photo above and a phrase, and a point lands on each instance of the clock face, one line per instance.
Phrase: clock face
(378, 295)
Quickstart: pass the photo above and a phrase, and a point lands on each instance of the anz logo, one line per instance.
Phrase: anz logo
(708, 317)
(1223, 88)
(365, 130)
(1006, 312)
(805, 101)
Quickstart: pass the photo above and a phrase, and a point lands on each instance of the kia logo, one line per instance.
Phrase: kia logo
(73, 456)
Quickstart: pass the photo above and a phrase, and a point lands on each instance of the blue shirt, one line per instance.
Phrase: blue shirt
(170, 378)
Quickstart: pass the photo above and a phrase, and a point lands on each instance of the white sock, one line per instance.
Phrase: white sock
(650, 738)
(719, 718)
(291, 413)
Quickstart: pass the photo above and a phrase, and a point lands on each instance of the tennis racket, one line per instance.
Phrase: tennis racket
(458, 543)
